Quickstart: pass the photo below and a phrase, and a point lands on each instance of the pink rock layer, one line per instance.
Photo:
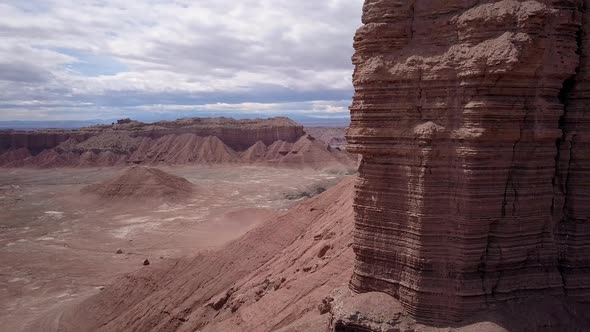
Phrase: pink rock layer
(115, 149)
(272, 142)
(474, 185)
(238, 134)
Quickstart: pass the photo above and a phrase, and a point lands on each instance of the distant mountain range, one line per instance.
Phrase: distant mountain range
(30, 125)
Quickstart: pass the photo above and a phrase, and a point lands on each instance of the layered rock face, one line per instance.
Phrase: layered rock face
(120, 147)
(334, 136)
(238, 134)
(471, 119)
(37, 141)
(277, 141)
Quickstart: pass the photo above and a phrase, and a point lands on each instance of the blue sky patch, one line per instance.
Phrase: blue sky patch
(92, 65)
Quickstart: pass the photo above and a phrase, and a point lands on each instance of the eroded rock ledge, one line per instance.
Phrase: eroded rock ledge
(205, 141)
(237, 134)
(471, 119)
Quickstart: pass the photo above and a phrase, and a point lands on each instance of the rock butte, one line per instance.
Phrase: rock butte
(237, 134)
(471, 118)
(273, 142)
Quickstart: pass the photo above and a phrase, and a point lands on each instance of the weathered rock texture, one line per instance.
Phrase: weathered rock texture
(277, 141)
(37, 141)
(471, 119)
(238, 134)
(334, 136)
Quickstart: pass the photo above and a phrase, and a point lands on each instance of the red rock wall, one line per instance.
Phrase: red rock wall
(237, 138)
(458, 107)
(238, 134)
(572, 185)
(37, 141)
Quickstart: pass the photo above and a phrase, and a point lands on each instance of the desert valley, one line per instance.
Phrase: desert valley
(76, 218)
(455, 200)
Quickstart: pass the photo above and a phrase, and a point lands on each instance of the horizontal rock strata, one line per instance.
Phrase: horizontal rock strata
(572, 183)
(120, 149)
(277, 141)
(37, 141)
(464, 198)
(238, 134)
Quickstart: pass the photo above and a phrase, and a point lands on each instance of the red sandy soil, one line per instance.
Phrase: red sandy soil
(121, 148)
(288, 274)
(271, 278)
(270, 142)
(58, 246)
(140, 183)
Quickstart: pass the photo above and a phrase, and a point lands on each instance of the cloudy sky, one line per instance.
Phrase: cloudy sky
(149, 59)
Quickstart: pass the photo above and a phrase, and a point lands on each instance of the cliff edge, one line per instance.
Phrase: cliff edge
(470, 117)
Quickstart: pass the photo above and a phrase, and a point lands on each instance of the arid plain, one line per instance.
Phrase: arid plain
(60, 244)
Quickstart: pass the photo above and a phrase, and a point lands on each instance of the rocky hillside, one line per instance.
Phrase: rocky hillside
(277, 141)
(288, 275)
(142, 183)
(471, 120)
(334, 136)
(238, 134)
(272, 278)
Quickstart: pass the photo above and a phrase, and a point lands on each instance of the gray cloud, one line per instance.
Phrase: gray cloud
(23, 73)
(172, 52)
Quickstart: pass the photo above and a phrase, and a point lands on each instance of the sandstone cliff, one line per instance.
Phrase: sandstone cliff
(238, 134)
(334, 136)
(470, 118)
(278, 141)
(37, 141)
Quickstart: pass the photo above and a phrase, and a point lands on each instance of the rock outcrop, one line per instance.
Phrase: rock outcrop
(273, 142)
(237, 134)
(37, 141)
(334, 136)
(306, 152)
(471, 119)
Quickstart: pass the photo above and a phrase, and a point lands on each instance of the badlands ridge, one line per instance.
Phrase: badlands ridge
(271, 142)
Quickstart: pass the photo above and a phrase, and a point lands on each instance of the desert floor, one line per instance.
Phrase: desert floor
(57, 245)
